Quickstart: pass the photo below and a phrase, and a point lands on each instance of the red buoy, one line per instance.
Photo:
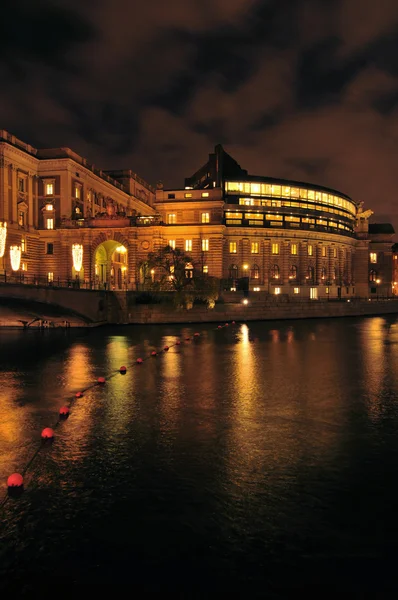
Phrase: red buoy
(101, 380)
(233, 322)
(219, 327)
(139, 361)
(64, 412)
(123, 370)
(226, 324)
(79, 395)
(47, 433)
(153, 353)
(166, 348)
(15, 481)
(196, 334)
(187, 338)
(178, 342)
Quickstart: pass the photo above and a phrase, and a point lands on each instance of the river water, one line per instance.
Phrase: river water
(256, 460)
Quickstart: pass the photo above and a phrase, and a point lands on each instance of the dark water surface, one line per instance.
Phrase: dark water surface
(259, 460)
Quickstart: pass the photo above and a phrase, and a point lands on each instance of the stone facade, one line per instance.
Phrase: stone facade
(269, 235)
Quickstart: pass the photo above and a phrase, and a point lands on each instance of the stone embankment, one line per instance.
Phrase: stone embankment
(261, 311)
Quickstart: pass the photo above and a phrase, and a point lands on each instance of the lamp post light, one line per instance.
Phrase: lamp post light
(15, 257)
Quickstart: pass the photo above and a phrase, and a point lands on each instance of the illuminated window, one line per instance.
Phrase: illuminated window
(205, 194)
(293, 272)
(205, 269)
(274, 272)
(21, 218)
(205, 217)
(296, 290)
(310, 250)
(232, 248)
(256, 289)
(171, 218)
(373, 275)
(172, 244)
(373, 257)
(50, 277)
(275, 248)
(334, 252)
(23, 245)
(323, 273)
(49, 207)
(323, 251)
(50, 248)
(77, 191)
(254, 248)
(255, 272)
(277, 291)
(188, 245)
(189, 271)
(310, 274)
(188, 195)
(49, 223)
(205, 245)
(293, 249)
(314, 293)
(49, 189)
(24, 267)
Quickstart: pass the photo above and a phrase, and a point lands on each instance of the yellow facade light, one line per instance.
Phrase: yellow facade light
(77, 255)
(3, 237)
(15, 257)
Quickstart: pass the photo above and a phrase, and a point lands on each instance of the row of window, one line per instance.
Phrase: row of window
(275, 273)
(290, 204)
(287, 191)
(172, 218)
(275, 249)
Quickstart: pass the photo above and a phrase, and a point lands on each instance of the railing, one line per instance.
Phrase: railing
(21, 278)
(110, 221)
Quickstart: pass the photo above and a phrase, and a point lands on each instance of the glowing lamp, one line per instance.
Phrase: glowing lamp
(245, 301)
(15, 481)
(3, 237)
(77, 255)
(15, 257)
(233, 322)
(219, 327)
(47, 433)
(64, 412)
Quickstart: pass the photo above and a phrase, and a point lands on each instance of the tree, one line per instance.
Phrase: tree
(171, 268)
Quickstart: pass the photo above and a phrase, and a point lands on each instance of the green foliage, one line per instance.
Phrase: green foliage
(170, 265)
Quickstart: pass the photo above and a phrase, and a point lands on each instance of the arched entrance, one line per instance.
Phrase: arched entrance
(110, 260)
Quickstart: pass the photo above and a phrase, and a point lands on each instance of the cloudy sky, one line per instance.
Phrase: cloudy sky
(300, 89)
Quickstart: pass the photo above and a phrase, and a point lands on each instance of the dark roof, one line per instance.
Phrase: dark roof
(381, 228)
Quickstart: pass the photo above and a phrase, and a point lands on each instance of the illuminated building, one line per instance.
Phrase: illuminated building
(278, 236)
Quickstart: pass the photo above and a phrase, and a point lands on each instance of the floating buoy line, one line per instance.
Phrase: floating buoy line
(15, 481)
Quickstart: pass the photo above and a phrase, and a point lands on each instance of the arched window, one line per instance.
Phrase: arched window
(255, 272)
(233, 272)
(323, 274)
(293, 272)
(334, 273)
(274, 272)
(310, 274)
(189, 271)
(372, 276)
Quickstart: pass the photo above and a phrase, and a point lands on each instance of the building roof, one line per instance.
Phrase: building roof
(376, 228)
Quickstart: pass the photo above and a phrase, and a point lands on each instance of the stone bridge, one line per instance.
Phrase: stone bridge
(93, 306)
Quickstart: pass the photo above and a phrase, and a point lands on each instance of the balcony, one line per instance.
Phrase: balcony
(105, 220)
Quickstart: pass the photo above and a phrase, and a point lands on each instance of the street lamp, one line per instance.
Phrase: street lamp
(15, 257)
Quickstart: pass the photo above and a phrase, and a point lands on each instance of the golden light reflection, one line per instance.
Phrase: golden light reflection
(79, 370)
(3, 237)
(374, 357)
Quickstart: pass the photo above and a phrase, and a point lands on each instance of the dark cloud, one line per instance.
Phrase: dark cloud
(301, 89)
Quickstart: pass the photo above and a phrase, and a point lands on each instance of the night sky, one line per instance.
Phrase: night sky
(300, 89)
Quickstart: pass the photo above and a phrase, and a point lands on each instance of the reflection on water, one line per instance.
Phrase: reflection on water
(235, 458)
